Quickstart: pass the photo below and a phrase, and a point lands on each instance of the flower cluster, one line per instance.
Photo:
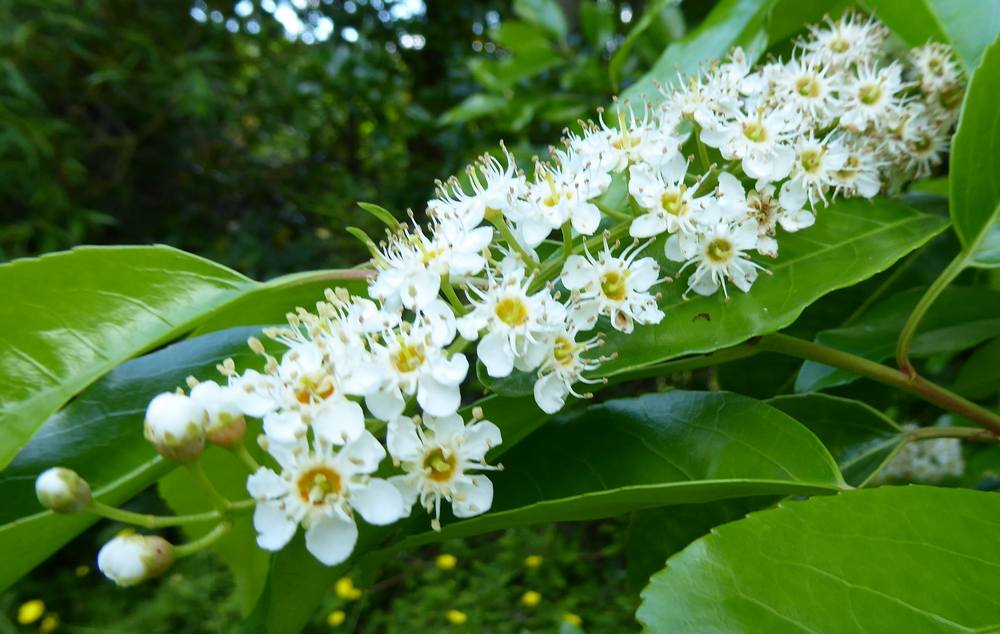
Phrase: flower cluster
(533, 269)
(930, 460)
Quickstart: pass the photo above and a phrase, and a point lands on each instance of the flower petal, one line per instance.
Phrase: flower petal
(331, 540)
(386, 403)
(479, 438)
(473, 496)
(265, 484)
(361, 455)
(495, 353)
(378, 501)
(274, 527)
(339, 421)
(402, 440)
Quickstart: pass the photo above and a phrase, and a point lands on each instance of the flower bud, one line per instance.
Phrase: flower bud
(62, 490)
(175, 426)
(225, 425)
(131, 559)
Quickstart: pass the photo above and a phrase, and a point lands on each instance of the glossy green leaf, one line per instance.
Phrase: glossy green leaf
(975, 162)
(731, 23)
(270, 302)
(979, 376)
(99, 435)
(517, 383)
(381, 213)
(544, 13)
(238, 548)
(622, 55)
(969, 25)
(69, 317)
(671, 448)
(597, 22)
(860, 438)
(893, 559)
(959, 319)
(520, 37)
(851, 241)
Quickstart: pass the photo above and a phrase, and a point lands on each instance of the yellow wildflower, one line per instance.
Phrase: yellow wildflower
(335, 618)
(530, 599)
(533, 561)
(30, 611)
(456, 618)
(445, 561)
(345, 589)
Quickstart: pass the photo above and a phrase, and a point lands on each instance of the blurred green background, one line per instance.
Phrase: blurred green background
(246, 132)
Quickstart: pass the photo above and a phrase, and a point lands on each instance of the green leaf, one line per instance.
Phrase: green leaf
(69, 317)
(517, 383)
(238, 548)
(381, 213)
(979, 376)
(520, 37)
(99, 435)
(671, 448)
(730, 23)
(852, 240)
(544, 13)
(893, 559)
(969, 25)
(959, 319)
(473, 107)
(860, 438)
(975, 163)
(597, 21)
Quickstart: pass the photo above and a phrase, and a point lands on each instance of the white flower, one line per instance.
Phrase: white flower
(320, 488)
(860, 174)
(561, 193)
(935, 67)
(410, 267)
(807, 87)
(131, 559)
(814, 169)
(764, 208)
(758, 139)
(718, 253)
(615, 286)
(850, 40)
(311, 396)
(174, 425)
(514, 320)
(495, 187)
(412, 362)
(930, 460)
(563, 366)
(670, 205)
(871, 98)
(437, 458)
(62, 490)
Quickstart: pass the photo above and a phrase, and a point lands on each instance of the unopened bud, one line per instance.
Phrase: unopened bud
(131, 559)
(62, 490)
(175, 426)
(224, 425)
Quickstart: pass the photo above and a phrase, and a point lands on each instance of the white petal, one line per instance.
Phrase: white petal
(794, 220)
(436, 398)
(576, 272)
(339, 422)
(407, 487)
(285, 427)
(584, 314)
(361, 455)
(550, 393)
(331, 540)
(766, 245)
(386, 404)
(445, 428)
(586, 218)
(473, 496)
(495, 353)
(672, 249)
(730, 186)
(792, 196)
(378, 501)
(421, 289)
(402, 440)
(470, 325)
(644, 273)
(647, 226)
(274, 527)
(673, 170)
(265, 483)
(479, 438)
(451, 371)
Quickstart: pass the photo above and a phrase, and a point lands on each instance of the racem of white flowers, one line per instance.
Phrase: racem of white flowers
(769, 147)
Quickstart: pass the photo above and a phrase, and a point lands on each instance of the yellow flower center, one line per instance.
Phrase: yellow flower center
(563, 350)
(441, 467)
(720, 250)
(755, 131)
(850, 168)
(409, 357)
(308, 390)
(613, 285)
(317, 483)
(870, 94)
(674, 202)
(807, 86)
(811, 160)
(839, 45)
(511, 311)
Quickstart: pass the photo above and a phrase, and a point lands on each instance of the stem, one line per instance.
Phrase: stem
(702, 150)
(910, 329)
(567, 233)
(916, 385)
(452, 296)
(688, 363)
(240, 451)
(218, 500)
(973, 434)
(551, 266)
(163, 521)
(498, 221)
(203, 542)
(294, 279)
(614, 213)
